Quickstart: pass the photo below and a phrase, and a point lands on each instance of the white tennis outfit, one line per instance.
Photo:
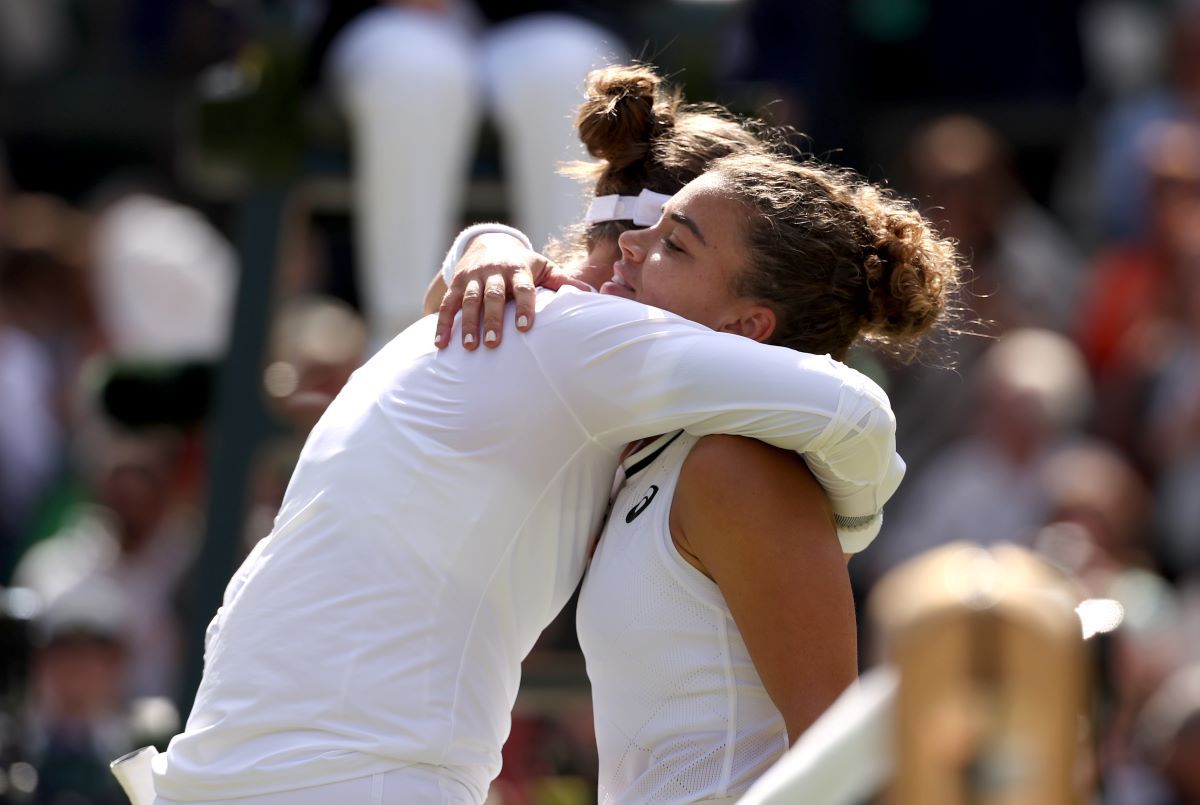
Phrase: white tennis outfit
(439, 517)
(681, 713)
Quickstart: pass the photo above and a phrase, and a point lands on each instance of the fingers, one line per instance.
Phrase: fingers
(494, 295)
(554, 278)
(451, 304)
(524, 294)
(471, 302)
(481, 289)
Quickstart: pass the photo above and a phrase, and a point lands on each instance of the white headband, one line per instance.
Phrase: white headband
(644, 209)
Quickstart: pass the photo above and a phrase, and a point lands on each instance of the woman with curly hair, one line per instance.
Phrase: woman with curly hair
(716, 615)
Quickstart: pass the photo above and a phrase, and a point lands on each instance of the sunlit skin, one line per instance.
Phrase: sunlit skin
(597, 269)
(687, 263)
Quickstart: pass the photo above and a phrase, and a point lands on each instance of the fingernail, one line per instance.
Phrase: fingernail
(437, 337)
(522, 321)
(490, 336)
(469, 338)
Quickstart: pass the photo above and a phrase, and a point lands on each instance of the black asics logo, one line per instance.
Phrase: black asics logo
(641, 505)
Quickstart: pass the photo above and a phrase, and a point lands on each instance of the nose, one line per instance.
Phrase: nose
(632, 245)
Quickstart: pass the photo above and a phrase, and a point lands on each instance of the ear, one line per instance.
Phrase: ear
(756, 322)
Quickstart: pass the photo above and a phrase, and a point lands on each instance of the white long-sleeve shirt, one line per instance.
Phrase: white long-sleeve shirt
(440, 516)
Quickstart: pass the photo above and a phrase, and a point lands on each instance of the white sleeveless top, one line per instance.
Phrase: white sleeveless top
(681, 713)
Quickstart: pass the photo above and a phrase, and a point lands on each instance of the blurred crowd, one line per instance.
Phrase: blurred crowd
(1059, 144)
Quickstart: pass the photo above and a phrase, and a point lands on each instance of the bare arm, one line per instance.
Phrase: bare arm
(754, 520)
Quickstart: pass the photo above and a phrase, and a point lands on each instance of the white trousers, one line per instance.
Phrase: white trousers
(414, 86)
(412, 785)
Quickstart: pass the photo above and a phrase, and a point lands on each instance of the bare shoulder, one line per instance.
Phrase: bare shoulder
(728, 478)
(723, 462)
(757, 523)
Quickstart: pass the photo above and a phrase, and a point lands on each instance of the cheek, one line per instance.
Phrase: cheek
(594, 275)
(665, 290)
(691, 294)
(598, 268)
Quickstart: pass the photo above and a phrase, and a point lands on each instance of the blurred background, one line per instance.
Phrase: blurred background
(203, 204)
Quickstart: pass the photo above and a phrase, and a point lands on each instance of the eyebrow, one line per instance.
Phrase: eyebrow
(679, 217)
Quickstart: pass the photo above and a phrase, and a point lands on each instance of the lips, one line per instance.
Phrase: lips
(613, 289)
(618, 285)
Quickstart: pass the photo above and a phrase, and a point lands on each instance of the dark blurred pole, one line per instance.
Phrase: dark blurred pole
(248, 120)
(240, 422)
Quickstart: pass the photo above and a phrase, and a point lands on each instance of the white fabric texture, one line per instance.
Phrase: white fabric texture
(439, 517)
(411, 785)
(414, 86)
(681, 713)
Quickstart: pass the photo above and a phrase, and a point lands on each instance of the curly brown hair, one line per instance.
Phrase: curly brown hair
(838, 258)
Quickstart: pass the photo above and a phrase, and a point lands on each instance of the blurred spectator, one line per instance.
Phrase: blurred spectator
(1031, 395)
(54, 236)
(1132, 308)
(1173, 417)
(316, 343)
(31, 425)
(48, 328)
(1168, 747)
(1099, 522)
(1124, 181)
(1122, 47)
(165, 280)
(1025, 272)
(77, 720)
(133, 534)
(1098, 532)
(414, 78)
(1123, 56)
(32, 37)
(1026, 269)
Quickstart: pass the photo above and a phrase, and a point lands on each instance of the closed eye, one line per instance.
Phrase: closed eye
(671, 245)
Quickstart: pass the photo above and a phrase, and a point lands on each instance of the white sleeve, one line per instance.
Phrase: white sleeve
(463, 240)
(628, 371)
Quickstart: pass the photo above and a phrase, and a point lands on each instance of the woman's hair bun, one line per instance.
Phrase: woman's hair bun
(910, 270)
(624, 110)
